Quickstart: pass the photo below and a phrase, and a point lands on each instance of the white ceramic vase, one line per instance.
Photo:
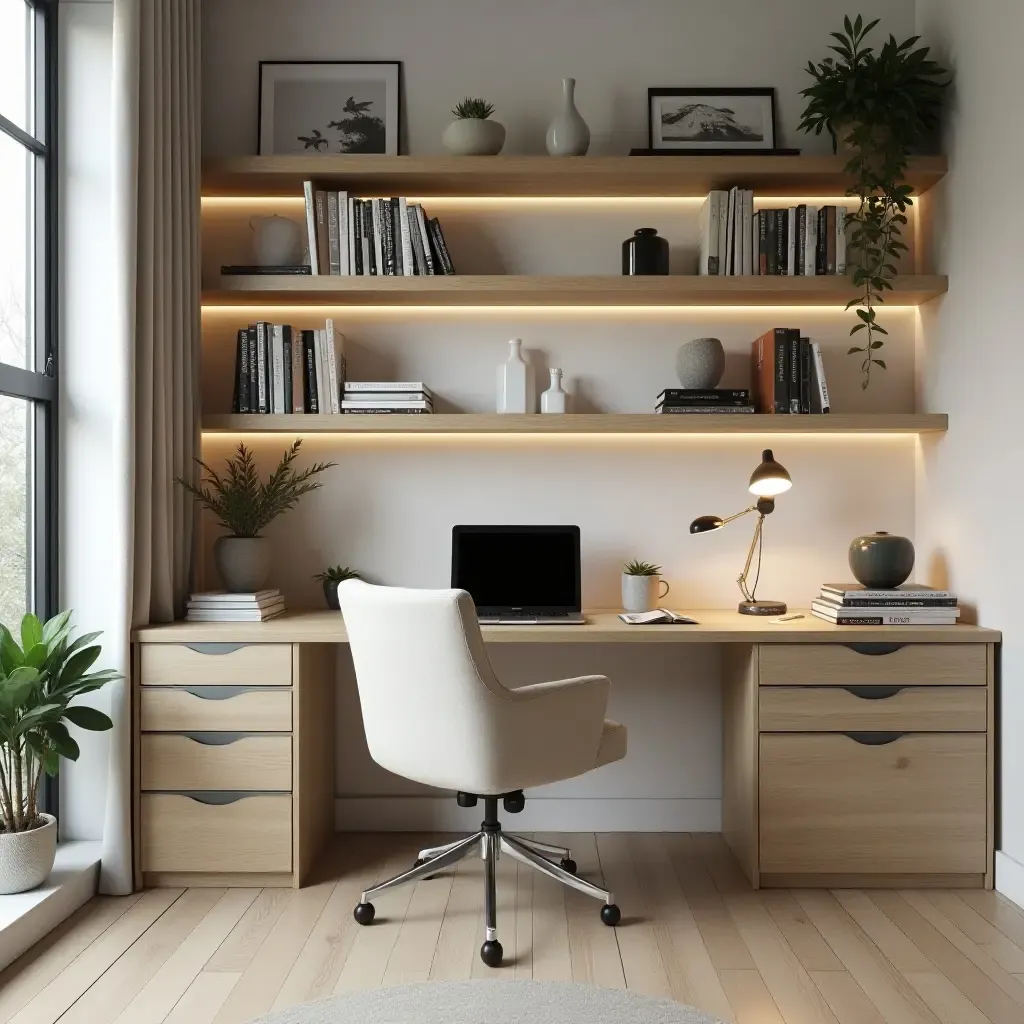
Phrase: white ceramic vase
(26, 858)
(568, 134)
(276, 241)
(515, 382)
(554, 400)
(642, 593)
(242, 562)
(474, 136)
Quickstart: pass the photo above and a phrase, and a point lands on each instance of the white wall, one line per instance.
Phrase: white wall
(971, 484)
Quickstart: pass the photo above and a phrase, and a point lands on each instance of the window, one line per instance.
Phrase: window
(28, 388)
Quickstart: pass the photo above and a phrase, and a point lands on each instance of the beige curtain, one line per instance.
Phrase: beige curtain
(156, 215)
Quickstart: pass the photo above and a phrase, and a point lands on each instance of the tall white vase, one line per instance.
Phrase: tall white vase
(554, 400)
(516, 392)
(568, 134)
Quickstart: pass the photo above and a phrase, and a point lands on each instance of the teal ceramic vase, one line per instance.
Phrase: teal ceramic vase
(881, 561)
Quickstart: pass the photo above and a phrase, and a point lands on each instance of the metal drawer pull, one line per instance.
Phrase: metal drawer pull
(874, 739)
(215, 648)
(215, 739)
(873, 692)
(875, 649)
(218, 692)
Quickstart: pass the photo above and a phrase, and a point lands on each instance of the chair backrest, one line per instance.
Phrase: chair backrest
(431, 703)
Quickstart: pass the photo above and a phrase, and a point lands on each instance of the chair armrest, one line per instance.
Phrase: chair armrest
(598, 686)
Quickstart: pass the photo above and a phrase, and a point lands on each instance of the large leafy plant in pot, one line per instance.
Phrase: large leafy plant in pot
(39, 679)
(879, 106)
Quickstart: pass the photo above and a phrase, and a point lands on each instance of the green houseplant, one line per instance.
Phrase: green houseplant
(641, 586)
(331, 577)
(245, 505)
(879, 106)
(39, 678)
(472, 133)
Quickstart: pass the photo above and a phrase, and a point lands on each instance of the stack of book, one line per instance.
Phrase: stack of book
(279, 369)
(709, 400)
(850, 604)
(386, 396)
(220, 606)
(789, 376)
(798, 241)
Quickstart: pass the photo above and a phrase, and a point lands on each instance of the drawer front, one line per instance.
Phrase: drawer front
(210, 761)
(214, 709)
(215, 665)
(866, 708)
(832, 805)
(251, 833)
(878, 664)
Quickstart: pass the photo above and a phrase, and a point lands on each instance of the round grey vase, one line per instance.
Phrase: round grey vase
(881, 561)
(243, 563)
(26, 858)
(474, 136)
(700, 363)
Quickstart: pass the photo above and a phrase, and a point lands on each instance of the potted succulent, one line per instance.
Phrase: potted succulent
(878, 106)
(39, 678)
(331, 577)
(641, 586)
(244, 505)
(472, 133)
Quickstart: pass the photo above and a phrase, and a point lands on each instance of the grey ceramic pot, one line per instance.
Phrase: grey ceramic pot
(331, 594)
(881, 561)
(26, 858)
(242, 562)
(700, 363)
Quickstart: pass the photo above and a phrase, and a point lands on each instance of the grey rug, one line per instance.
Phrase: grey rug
(491, 1002)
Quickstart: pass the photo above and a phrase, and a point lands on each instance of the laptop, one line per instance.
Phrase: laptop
(519, 575)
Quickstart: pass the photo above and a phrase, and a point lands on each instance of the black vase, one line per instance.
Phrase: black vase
(645, 253)
(331, 594)
(881, 561)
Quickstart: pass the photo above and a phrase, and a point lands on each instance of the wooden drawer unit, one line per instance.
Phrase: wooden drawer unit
(215, 709)
(866, 708)
(876, 664)
(215, 664)
(830, 804)
(230, 833)
(216, 761)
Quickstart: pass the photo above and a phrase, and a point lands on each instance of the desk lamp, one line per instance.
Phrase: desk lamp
(767, 481)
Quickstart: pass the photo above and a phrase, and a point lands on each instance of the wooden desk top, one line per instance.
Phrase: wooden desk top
(714, 626)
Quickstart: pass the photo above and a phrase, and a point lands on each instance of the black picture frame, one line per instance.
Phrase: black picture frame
(393, 123)
(717, 144)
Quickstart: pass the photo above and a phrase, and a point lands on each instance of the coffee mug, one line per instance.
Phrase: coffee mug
(642, 593)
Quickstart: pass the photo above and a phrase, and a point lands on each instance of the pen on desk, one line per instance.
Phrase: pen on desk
(787, 618)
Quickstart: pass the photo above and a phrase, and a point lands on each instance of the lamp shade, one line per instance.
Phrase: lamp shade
(769, 478)
(705, 524)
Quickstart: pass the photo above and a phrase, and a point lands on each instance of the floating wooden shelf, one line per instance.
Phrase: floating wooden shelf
(585, 423)
(514, 290)
(538, 176)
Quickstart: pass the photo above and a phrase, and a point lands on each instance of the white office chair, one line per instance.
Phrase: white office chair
(435, 713)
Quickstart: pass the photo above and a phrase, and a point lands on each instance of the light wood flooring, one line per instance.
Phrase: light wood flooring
(692, 930)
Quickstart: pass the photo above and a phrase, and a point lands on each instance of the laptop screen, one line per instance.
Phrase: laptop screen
(535, 569)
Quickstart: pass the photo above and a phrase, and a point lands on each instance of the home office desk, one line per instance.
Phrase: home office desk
(852, 756)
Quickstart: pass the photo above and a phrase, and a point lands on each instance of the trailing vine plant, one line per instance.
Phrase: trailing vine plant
(881, 105)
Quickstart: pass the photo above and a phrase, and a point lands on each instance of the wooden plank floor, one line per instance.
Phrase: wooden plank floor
(692, 930)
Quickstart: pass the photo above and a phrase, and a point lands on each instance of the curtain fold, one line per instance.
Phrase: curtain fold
(156, 330)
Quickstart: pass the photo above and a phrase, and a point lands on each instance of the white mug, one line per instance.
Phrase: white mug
(642, 593)
(276, 241)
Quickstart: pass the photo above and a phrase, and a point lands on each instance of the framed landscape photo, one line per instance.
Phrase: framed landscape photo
(331, 107)
(711, 120)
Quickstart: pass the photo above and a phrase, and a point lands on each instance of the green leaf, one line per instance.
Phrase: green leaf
(55, 626)
(62, 741)
(876, 344)
(78, 664)
(31, 632)
(10, 652)
(852, 350)
(88, 718)
(879, 362)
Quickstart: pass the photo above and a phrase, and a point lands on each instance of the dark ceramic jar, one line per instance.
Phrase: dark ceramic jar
(645, 253)
(881, 561)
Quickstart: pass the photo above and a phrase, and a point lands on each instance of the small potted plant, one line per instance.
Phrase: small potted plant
(641, 586)
(472, 133)
(331, 577)
(244, 505)
(39, 678)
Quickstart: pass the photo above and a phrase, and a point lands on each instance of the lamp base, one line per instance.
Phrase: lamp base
(762, 608)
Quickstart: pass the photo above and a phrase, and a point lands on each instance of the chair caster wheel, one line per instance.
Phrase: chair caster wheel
(611, 915)
(568, 864)
(514, 802)
(364, 913)
(418, 862)
(491, 953)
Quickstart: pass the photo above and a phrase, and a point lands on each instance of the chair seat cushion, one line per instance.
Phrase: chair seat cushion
(613, 743)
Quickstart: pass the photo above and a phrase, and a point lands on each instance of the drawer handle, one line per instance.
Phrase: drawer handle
(874, 739)
(218, 648)
(215, 739)
(217, 692)
(216, 798)
(875, 649)
(873, 692)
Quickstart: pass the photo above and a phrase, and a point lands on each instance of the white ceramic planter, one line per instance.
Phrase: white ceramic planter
(516, 392)
(474, 136)
(568, 134)
(554, 400)
(642, 593)
(242, 562)
(26, 858)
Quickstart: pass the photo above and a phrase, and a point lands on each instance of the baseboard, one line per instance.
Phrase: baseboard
(1010, 878)
(442, 814)
(26, 917)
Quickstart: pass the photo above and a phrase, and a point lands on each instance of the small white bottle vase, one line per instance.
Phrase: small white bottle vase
(568, 134)
(554, 399)
(515, 382)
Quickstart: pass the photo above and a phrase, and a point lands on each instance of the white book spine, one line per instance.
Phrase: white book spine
(408, 258)
(840, 239)
(333, 233)
(378, 235)
(343, 235)
(307, 192)
(730, 231)
(791, 241)
(417, 240)
(811, 248)
(723, 230)
(324, 400)
(298, 373)
(332, 366)
(739, 252)
(261, 368)
(748, 221)
(755, 243)
(277, 358)
(386, 385)
(703, 242)
(350, 226)
(819, 378)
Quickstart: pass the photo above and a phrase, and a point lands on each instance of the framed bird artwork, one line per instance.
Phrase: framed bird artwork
(330, 107)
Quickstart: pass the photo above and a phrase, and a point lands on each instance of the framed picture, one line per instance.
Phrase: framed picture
(703, 120)
(329, 106)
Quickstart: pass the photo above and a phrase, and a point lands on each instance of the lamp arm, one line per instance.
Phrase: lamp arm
(742, 579)
(729, 519)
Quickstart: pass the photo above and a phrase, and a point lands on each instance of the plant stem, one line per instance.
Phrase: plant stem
(5, 794)
(19, 797)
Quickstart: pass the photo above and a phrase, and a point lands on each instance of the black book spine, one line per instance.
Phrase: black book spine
(387, 237)
(437, 236)
(762, 243)
(820, 260)
(396, 238)
(231, 270)
(286, 332)
(357, 238)
(781, 250)
(309, 385)
(875, 602)
(801, 237)
(741, 396)
(770, 244)
(370, 233)
(253, 370)
(805, 375)
(236, 387)
(793, 369)
(781, 397)
(244, 400)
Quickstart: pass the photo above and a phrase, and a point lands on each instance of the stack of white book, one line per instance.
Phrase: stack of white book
(850, 604)
(220, 606)
(384, 396)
